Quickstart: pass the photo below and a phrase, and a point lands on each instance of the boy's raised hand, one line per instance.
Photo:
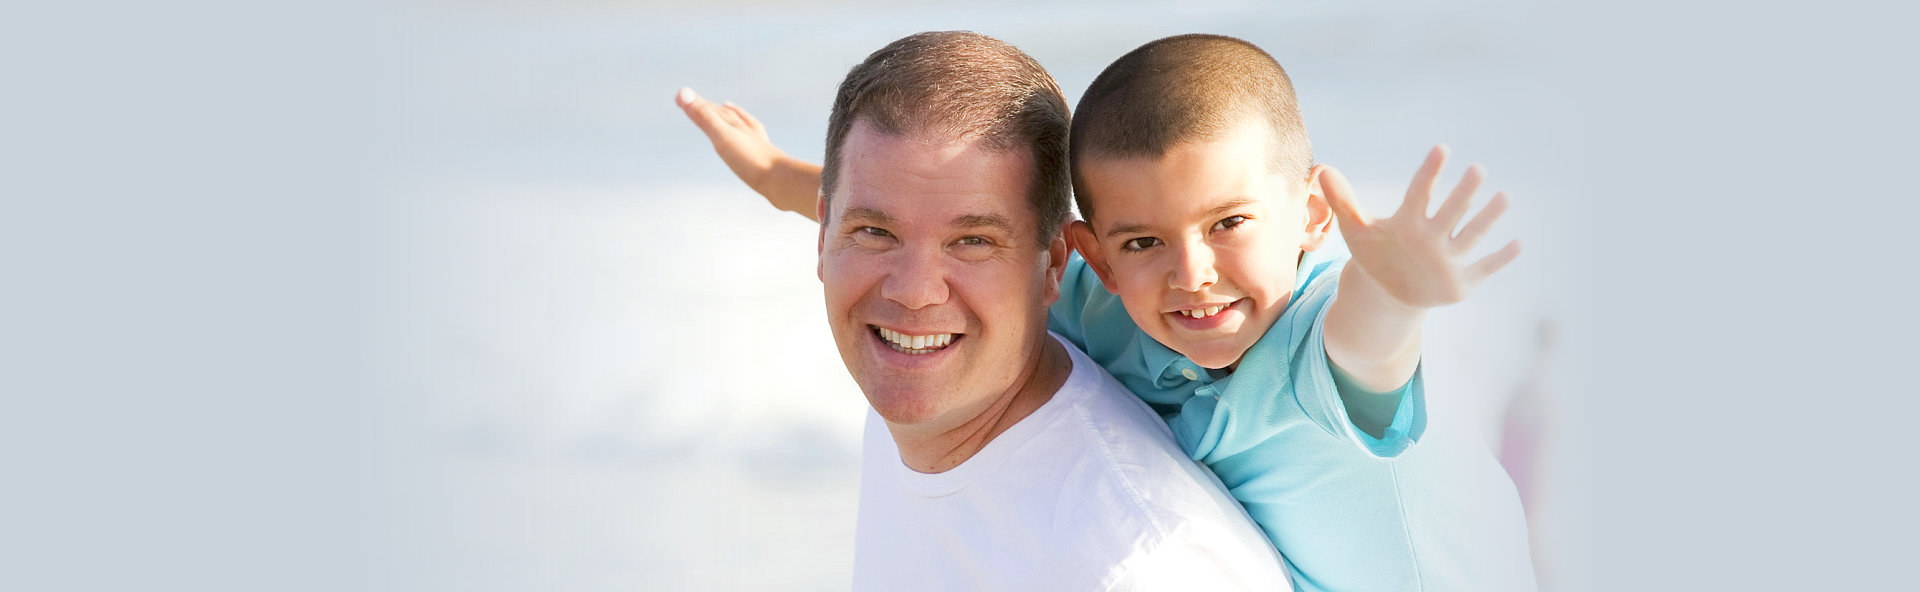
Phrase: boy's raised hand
(742, 142)
(739, 138)
(1419, 260)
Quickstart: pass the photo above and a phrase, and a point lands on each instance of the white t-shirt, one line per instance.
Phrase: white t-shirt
(1090, 492)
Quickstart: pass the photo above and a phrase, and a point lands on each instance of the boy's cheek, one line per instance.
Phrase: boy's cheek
(1142, 303)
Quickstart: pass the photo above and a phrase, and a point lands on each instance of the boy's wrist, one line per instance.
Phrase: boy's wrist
(763, 177)
(1382, 300)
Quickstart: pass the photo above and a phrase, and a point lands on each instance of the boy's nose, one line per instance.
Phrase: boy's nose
(915, 282)
(1193, 271)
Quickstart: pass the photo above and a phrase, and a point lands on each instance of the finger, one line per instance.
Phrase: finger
(744, 116)
(1492, 263)
(1340, 197)
(731, 113)
(1423, 180)
(1455, 208)
(1477, 227)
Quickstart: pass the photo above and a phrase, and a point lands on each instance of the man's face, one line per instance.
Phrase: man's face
(1201, 243)
(936, 289)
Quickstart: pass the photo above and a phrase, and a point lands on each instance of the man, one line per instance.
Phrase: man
(996, 457)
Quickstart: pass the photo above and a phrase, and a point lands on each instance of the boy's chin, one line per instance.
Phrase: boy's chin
(1213, 356)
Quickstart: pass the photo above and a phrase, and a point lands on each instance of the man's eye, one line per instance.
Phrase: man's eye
(1139, 244)
(973, 241)
(869, 230)
(1229, 222)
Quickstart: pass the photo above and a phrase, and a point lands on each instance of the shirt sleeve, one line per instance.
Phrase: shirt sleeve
(1385, 426)
(1371, 411)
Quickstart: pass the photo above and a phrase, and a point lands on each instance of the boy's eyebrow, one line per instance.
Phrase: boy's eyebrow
(1234, 204)
(984, 220)
(866, 215)
(1231, 205)
(1120, 229)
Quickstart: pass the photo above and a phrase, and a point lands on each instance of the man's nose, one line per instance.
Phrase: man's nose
(916, 281)
(1192, 269)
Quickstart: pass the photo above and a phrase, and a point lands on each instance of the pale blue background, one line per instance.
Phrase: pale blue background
(449, 296)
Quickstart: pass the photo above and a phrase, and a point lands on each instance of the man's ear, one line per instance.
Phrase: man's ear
(1085, 242)
(1057, 250)
(820, 248)
(1319, 215)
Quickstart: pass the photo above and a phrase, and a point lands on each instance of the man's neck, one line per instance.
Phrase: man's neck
(942, 451)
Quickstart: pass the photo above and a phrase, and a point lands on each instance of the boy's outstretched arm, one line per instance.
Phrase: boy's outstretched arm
(1403, 265)
(788, 183)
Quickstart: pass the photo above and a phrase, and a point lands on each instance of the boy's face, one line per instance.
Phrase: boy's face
(1201, 243)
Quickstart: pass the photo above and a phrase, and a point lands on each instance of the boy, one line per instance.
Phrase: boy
(1202, 287)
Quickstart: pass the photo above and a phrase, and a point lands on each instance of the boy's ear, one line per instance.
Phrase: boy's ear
(1085, 242)
(1319, 214)
(820, 248)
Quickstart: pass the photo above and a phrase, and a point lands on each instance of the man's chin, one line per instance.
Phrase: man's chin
(904, 406)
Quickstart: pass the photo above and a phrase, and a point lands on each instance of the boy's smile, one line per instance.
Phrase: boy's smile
(1202, 242)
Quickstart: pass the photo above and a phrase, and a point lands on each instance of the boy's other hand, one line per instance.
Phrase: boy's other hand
(739, 138)
(1419, 260)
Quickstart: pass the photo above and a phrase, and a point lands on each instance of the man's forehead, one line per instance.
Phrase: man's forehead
(866, 138)
(898, 176)
(882, 214)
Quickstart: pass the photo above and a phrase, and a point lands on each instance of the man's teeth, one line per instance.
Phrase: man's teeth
(1201, 313)
(915, 344)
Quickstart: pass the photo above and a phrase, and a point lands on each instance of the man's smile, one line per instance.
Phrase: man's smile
(912, 344)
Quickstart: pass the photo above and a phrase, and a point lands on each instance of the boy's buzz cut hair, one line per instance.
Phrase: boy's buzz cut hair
(960, 85)
(1184, 89)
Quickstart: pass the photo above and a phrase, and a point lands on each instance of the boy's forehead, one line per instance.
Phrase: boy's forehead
(1198, 177)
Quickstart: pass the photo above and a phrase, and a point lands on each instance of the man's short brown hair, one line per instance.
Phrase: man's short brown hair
(961, 85)
(1183, 89)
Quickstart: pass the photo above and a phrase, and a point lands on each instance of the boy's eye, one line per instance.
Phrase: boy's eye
(1229, 222)
(1139, 244)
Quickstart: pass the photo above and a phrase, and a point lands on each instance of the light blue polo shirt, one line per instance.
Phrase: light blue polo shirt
(1342, 506)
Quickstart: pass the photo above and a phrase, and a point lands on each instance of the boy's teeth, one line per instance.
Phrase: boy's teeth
(1201, 313)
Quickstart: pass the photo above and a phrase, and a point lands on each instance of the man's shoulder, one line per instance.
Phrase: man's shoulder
(1139, 499)
(1133, 452)
(1109, 413)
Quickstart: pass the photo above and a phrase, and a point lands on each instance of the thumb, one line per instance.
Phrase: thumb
(1340, 197)
(703, 112)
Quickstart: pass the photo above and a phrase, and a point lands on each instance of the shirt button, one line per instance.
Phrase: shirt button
(1189, 373)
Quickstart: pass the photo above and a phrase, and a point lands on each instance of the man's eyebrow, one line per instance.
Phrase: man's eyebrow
(866, 215)
(979, 220)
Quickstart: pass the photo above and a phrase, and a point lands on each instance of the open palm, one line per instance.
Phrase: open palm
(1417, 259)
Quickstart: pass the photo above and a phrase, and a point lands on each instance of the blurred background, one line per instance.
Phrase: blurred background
(451, 296)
